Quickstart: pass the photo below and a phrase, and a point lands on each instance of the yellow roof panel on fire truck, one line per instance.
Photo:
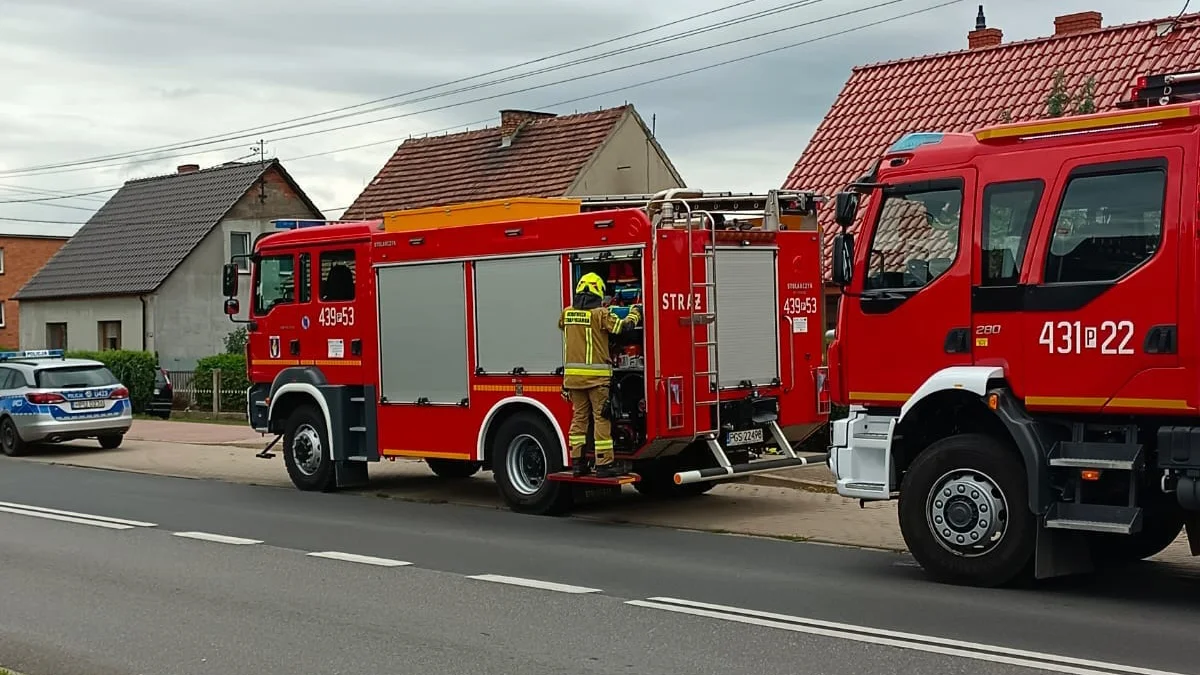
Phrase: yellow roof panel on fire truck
(478, 213)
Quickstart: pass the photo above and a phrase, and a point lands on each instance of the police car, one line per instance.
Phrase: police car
(47, 398)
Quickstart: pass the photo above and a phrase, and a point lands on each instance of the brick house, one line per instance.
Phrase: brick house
(145, 271)
(531, 154)
(21, 256)
(989, 82)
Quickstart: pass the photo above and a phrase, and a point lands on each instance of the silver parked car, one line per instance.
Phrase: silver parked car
(46, 398)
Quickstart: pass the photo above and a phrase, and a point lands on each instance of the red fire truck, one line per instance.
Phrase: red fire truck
(368, 341)
(1016, 340)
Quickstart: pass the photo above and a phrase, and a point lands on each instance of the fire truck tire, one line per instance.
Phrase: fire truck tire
(306, 450)
(453, 468)
(947, 502)
(525, 451)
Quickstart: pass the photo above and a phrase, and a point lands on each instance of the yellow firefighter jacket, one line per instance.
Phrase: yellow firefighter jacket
(585, 344)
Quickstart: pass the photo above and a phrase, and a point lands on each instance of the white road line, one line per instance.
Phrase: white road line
(925, 643)
(88, 516)
(219, 538)
(534, 583)
(354, 557)
(66, 519)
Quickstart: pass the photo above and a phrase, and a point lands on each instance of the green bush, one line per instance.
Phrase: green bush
(135, 370)
(233, 381)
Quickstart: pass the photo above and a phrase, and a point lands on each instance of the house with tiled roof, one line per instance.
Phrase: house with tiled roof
(144, 272)
(989, 82)
(530, 154)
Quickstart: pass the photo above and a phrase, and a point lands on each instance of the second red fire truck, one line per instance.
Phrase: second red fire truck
(368, 341)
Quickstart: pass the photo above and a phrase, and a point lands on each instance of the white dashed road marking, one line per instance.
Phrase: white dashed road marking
(534, 583)
(924, 643)
(354, 557)
(72, 516)
(219, 538)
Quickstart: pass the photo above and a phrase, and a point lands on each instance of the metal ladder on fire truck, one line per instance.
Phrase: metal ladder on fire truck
(706, 256)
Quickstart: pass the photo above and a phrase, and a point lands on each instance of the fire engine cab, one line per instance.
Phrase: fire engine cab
(1017, 339)
(433, 334)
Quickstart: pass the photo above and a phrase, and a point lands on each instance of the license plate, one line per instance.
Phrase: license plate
(87, 405)
(746, 437)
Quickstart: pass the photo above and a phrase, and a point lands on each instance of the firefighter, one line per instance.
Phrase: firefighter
(586, 325)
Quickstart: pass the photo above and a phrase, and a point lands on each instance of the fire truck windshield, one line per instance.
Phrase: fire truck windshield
(273, 282)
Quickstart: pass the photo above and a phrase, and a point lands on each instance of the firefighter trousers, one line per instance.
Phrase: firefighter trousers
(589, 404)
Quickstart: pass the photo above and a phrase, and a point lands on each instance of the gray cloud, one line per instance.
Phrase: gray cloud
(83, 78)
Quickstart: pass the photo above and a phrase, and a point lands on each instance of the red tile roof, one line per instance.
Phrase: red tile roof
(545, 158)
(963, 90)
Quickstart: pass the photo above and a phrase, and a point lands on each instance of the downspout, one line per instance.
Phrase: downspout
(143, 299)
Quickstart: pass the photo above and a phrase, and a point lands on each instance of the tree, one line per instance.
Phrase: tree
(235, 342)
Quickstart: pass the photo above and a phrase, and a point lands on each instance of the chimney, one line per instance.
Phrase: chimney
(187, 168)
(983, 36)
(1080, 22)
(512, 120)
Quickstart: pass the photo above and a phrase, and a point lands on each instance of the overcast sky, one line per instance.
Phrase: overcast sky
(83, 79)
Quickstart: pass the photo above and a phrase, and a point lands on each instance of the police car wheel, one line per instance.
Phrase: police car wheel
(10, 440)
(526, 450)
(306, 450)
(111, 441)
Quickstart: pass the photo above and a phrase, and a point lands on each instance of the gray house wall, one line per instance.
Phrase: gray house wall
(629, 162)
(82, 316)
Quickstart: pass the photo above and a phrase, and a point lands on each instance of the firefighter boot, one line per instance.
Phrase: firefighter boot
(580, 467)
(611, 470)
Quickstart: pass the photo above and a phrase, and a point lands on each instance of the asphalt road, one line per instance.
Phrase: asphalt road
(458, 589)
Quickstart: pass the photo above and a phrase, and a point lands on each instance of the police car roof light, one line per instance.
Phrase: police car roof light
(33, 354)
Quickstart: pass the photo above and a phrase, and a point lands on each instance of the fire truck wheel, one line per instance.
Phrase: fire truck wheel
(964, 511)
(453, 468)
(305, 449)
(525, 451)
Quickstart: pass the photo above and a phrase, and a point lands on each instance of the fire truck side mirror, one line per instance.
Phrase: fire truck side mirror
(229, 280)
(845, 208)
(232, 307)
(843, 258)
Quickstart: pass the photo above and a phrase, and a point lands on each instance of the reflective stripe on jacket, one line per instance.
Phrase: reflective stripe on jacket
(585, 344)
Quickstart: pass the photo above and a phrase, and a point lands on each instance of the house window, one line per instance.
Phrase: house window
(56, 336)
(3, 319)
(239, 244)
(1109, 223)
(110, 335)
(337, 276)
(1, 260)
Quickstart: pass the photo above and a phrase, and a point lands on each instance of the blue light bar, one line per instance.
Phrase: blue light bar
(916, 140)
(295, 223)
(32, 354)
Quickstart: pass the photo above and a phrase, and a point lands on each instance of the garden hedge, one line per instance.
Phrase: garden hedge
(233, 381)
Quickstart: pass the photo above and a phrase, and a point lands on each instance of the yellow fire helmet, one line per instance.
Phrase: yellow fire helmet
(591, 283)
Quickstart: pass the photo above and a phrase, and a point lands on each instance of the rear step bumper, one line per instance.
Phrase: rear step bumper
(746, 469)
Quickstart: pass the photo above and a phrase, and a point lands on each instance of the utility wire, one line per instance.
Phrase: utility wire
(267, 128)
(41, 222)
(70, 169)
(49, 199)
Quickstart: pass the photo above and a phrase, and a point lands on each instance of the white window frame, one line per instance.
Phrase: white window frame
(242, 263)
(3, 316)
(1, 260)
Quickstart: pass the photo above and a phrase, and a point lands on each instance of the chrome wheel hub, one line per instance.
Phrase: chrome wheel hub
(967, 512)
(526, 464)
(306, 449)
